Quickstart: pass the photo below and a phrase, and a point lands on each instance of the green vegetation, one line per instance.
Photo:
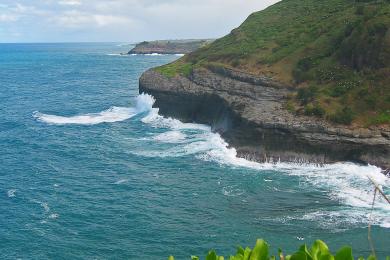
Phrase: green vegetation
(318, 251)
(172, 69)
(338, 48)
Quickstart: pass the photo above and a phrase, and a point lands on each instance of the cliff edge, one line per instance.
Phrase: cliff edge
(249, 113)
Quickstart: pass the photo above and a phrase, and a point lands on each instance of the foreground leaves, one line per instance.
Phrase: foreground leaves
(318, 251)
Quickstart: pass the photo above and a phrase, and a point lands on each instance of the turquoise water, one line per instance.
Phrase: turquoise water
(88, 170)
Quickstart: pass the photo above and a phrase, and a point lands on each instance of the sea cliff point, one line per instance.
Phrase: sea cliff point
(301, 81)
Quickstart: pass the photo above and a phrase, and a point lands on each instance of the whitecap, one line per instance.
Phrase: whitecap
(54, 216)
(170, 137)
(11, 193)
(114, 114)
(45, 206)
(121, 181)
(154, 54)
(157, 121)
(232, 191)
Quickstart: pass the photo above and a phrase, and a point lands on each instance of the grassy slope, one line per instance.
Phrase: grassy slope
(336, 53)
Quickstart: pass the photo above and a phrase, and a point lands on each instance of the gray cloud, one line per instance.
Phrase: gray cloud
(121, 20)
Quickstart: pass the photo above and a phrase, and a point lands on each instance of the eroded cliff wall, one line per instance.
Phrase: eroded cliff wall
(249, 113)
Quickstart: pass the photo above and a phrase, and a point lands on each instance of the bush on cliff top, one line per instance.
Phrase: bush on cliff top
(340, 46)
(318, 251)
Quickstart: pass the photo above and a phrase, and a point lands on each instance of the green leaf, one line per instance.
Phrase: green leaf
(300, 255)
(304, 250)
(212, 255)
(171, 258)
(260, 251)
(247, 253)
(193, 257)
(319, 249)
(240, 251)
(221, 258)
(344, 253)
(371, 257)
(237, 257)
(327, 257)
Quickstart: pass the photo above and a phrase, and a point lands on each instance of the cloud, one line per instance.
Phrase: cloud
(8, 18)
(78, 19)
(123, 20)
(70, 2)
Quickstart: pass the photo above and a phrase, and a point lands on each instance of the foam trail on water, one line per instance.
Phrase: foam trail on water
(154, 54)
(113, 114)
(170, 137)
(346, 183)
(117, 54)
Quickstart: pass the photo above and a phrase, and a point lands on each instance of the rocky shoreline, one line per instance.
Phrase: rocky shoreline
(249, 113)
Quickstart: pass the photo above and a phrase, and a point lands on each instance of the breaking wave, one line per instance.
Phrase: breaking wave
(346, 183)
(113, 114)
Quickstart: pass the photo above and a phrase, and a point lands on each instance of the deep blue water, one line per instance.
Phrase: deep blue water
(88, 170)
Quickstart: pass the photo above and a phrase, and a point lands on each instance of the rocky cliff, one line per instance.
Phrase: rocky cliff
(249, 112)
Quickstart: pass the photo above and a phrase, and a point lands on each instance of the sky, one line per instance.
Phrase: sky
(121, 20)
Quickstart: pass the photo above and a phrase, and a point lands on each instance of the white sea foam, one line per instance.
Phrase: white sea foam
(170, 137)
(54, 216)
(232, 191)
(179, 54)
(346, 183)
(45, 206)
(154, 54)
(11, 193)
(113, 114)
(121, 181)
(115, 54)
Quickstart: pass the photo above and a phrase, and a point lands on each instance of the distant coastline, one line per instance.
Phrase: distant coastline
(169, 46)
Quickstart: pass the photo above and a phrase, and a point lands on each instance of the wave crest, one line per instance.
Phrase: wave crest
(144, 103)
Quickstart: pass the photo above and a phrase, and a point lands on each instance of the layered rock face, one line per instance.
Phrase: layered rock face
(249, 114)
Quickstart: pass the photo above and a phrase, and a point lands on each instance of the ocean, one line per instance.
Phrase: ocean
(90, 170)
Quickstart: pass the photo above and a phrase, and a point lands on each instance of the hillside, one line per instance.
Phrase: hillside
(335, 54)
(168, 46)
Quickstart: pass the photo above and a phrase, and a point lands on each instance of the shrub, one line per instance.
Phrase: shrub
(382, 118)
(314, 110)
(343, 116)
(338, 91)
(300, 71)
(307, 95)
(359, 10)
